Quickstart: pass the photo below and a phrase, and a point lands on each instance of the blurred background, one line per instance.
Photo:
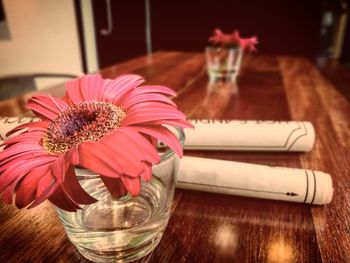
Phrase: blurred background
(43, 41)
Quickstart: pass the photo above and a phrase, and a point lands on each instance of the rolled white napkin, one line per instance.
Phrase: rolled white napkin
(260, 181)
(227, 134)
(296, 185)
(250, 135)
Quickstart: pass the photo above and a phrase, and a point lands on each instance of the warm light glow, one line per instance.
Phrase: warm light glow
(226, 241)
(280, 251)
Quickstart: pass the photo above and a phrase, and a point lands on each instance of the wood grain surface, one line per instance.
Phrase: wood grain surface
(207, 227)
(338, 74)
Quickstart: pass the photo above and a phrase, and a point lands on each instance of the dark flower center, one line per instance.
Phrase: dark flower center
(86, 121)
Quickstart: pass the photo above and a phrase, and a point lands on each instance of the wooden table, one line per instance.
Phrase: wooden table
(220, 228)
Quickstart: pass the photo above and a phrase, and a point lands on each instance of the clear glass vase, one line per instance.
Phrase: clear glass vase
(223, 63)
(126, 228)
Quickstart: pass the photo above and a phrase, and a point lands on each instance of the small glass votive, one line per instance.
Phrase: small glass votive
(127, 228)
(223, 63)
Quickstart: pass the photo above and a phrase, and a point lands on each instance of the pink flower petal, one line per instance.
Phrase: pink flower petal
(154, 105)
(149, 104)
(15, 147)
(117, 88)
(20, 168)
(248, 44)
(146, 97)
(19, 149)
(73, 155)
(151, 112)
(85, 88)
(59, 167)
(218, 32)
(46, 187)
(34, 136)
(132, 184)
(100, 158)
(157, 89)
(235, 38)
(41, 124)
(217, 37)
(136, 146)
(91, 87)
(9, 191)
(46, 107)
(148, 90)
(27, 188)
(60, 199)
(74, 189)
(52, 103)
(175, 123)
(7, 195)
(5, 163)
(46, 182)
(73, 92)
(147, 172)
(164, 135)
(115, 186)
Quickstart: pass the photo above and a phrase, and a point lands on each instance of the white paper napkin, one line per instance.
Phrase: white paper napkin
(228, 135)
(260, 181)
(296, 185)
(238, 135)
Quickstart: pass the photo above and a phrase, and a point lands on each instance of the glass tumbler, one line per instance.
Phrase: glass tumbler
(126, 228)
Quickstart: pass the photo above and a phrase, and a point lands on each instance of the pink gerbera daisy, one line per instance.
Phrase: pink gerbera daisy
(233, 40)
(110, 127)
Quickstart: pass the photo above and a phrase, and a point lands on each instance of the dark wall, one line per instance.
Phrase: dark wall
(283, 27)
(290, 27)
(2, 12)
(346, 47)
(127, 39)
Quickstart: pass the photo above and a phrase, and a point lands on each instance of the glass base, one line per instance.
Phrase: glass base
(118, 229)
(222, 88)
(132, 254)
(116, 214)
(215, 76)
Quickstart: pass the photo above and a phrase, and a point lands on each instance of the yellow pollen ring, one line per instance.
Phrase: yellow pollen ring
(86, 121)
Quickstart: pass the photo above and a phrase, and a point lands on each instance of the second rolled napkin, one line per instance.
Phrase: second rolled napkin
(260, 181)
(250, 135)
